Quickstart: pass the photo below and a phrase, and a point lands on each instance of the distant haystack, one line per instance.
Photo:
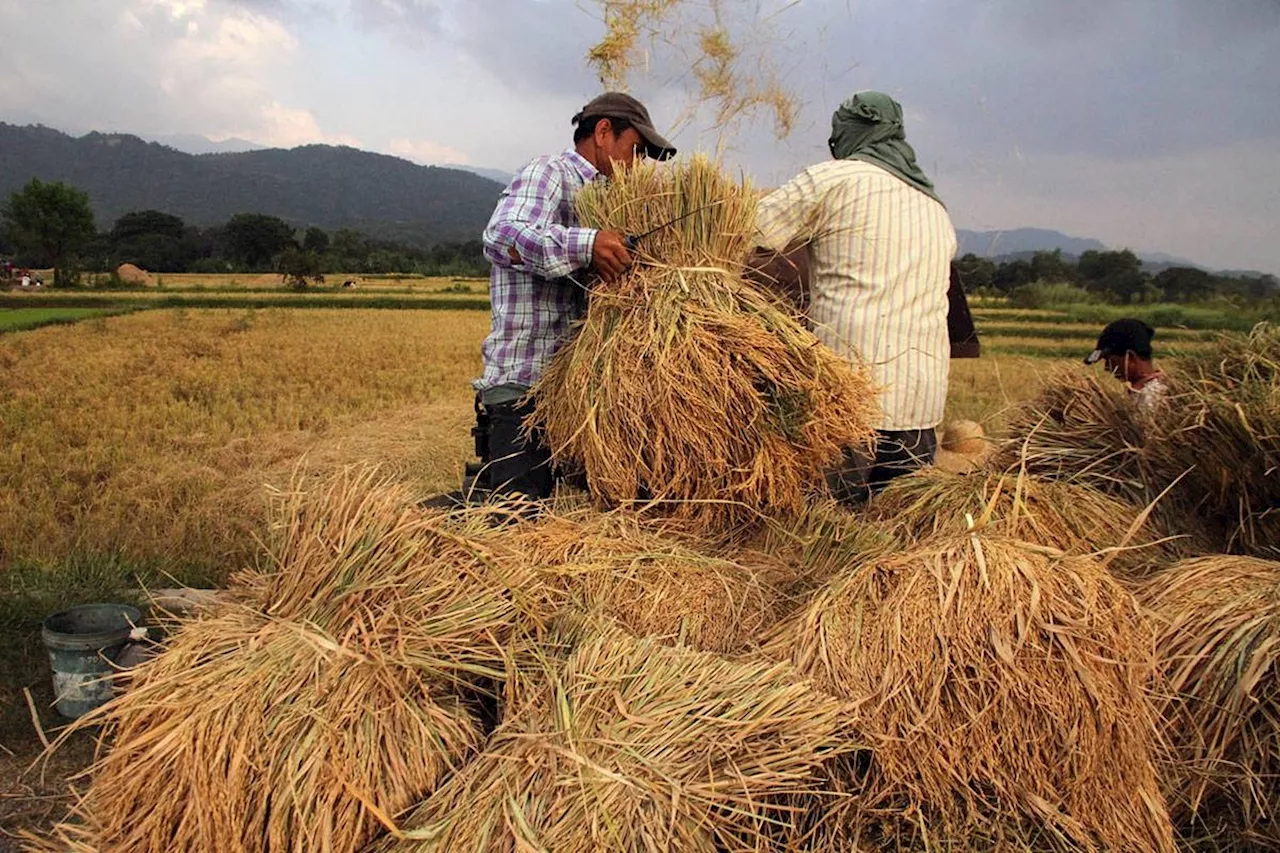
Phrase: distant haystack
(130, 274)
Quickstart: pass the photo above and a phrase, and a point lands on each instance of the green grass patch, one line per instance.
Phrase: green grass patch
(29, 592)
(1161, 316)
(21, 319)
(1087, 332)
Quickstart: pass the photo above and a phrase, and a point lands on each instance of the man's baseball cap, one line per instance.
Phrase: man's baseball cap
(621, 105)
(1122, 336)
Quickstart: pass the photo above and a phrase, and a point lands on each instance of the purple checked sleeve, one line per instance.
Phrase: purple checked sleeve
(525, 219)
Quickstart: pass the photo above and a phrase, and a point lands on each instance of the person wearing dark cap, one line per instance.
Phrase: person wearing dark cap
(1125, 348)
(541, 260)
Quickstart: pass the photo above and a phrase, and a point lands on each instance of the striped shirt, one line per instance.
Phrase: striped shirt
(532, 303)
(880, 260)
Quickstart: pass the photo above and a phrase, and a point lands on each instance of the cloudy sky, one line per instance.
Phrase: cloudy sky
(1153, 124)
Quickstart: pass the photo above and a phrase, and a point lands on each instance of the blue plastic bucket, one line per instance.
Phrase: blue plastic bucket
(83, 644)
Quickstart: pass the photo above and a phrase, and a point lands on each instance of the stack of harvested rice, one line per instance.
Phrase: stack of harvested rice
(637, 746)
(1084, 429)
(131, 274)
(1211, 447)
(1062, 515)
(1218, 639)
(1002, 691)
(1224, 429)
(686, 384)
(651, 577)
(348, 690)
(804, 552)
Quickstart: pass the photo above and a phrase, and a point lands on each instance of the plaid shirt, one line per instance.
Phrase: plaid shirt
(533, 303)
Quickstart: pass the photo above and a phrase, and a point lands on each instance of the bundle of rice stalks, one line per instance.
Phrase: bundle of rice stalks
(1083, 429)
(352, 683)
(1069, 517)
(1218, 635)
(257, 735)
(637, 746)
(355, 556)
(1224, 429)
(999, 687)
(650, 577)
(685, 383)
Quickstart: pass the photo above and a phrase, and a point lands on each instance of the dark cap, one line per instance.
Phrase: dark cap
(1122, 336)
(613, 105)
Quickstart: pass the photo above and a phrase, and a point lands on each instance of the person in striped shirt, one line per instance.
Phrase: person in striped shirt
(541, 263)
(879, 244)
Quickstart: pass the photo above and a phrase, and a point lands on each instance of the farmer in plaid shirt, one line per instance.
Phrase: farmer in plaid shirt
(542, 261)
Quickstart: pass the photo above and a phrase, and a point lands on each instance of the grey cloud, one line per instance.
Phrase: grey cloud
(1044, 75)
(410, 22)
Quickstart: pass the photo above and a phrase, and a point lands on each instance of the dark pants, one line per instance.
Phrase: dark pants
(897, 452)
(516, 465)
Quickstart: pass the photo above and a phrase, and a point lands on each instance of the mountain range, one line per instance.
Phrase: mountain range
(206, 182)
(327, 186)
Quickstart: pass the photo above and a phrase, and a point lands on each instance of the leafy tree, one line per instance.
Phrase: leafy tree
(51, 220)
(154, 241)
(253, 239)
(1011, 274)
(1185, 284)
(975, 272)
(316, 240)
(299, 267)
(1116, 273)
(1050, 267)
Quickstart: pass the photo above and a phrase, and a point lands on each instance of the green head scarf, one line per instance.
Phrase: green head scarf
(868, 126)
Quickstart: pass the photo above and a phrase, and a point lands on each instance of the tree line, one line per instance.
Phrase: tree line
(1107, 276)
(52, 225)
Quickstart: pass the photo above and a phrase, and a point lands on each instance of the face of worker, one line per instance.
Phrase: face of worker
(1126, 367)
(617, 148)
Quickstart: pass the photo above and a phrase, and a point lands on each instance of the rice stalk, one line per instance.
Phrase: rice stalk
(651, 577)
(1224, 429)
(1081, 429)
(356, 557)
(999, 686)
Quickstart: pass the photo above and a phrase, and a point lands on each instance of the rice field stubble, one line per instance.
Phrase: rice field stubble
(150, 436)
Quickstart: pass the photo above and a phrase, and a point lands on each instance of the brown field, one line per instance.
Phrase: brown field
(153, 436)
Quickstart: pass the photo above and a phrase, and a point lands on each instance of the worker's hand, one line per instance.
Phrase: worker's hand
(609, 255)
